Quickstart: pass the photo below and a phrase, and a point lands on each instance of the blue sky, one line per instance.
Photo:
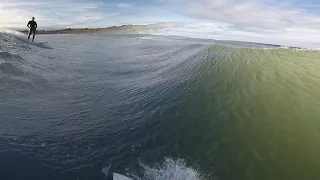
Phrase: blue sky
(274, 21)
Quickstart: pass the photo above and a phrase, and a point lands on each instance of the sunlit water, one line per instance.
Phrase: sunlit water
(155, 107)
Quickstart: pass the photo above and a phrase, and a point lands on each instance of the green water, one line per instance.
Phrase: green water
(234, 114)
(255, 114)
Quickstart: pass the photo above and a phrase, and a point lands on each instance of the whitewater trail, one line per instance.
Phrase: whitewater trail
(23, 37)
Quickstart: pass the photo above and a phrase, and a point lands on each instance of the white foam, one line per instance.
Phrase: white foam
(169, 170)
(297, 49)
(144, 38)
(24, 38)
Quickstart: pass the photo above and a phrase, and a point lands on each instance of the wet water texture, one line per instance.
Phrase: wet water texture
(152, 107)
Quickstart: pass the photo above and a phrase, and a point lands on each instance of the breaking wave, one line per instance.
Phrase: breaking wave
(241, 110)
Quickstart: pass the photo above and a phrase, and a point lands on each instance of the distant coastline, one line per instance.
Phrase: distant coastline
(112, 29)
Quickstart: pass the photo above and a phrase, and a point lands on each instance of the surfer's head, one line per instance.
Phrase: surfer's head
(32, 18)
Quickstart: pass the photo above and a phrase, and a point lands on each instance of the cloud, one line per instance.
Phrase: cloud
(249, 15)
(265, 20)
(124, 5)
(276, 21)
(50, 14)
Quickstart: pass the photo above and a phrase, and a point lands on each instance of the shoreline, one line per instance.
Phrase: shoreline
(111, 30)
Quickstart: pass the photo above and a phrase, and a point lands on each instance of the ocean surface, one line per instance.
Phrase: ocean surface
(82, 107)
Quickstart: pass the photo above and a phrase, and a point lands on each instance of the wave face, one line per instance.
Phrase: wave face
(18, 71)
(133, 103)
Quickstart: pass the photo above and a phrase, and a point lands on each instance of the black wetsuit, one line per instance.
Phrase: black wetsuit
(33, 27)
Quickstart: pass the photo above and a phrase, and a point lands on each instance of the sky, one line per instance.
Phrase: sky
(291, 22)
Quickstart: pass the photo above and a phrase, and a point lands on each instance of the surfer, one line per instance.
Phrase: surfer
(32, 25)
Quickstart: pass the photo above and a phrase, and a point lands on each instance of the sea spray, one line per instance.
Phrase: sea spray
(169, 169)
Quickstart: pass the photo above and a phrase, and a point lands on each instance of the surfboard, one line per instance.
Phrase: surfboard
(117, 176)
(41, 44)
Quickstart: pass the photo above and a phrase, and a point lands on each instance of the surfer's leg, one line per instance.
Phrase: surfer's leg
(29, 35)
(34, 34)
